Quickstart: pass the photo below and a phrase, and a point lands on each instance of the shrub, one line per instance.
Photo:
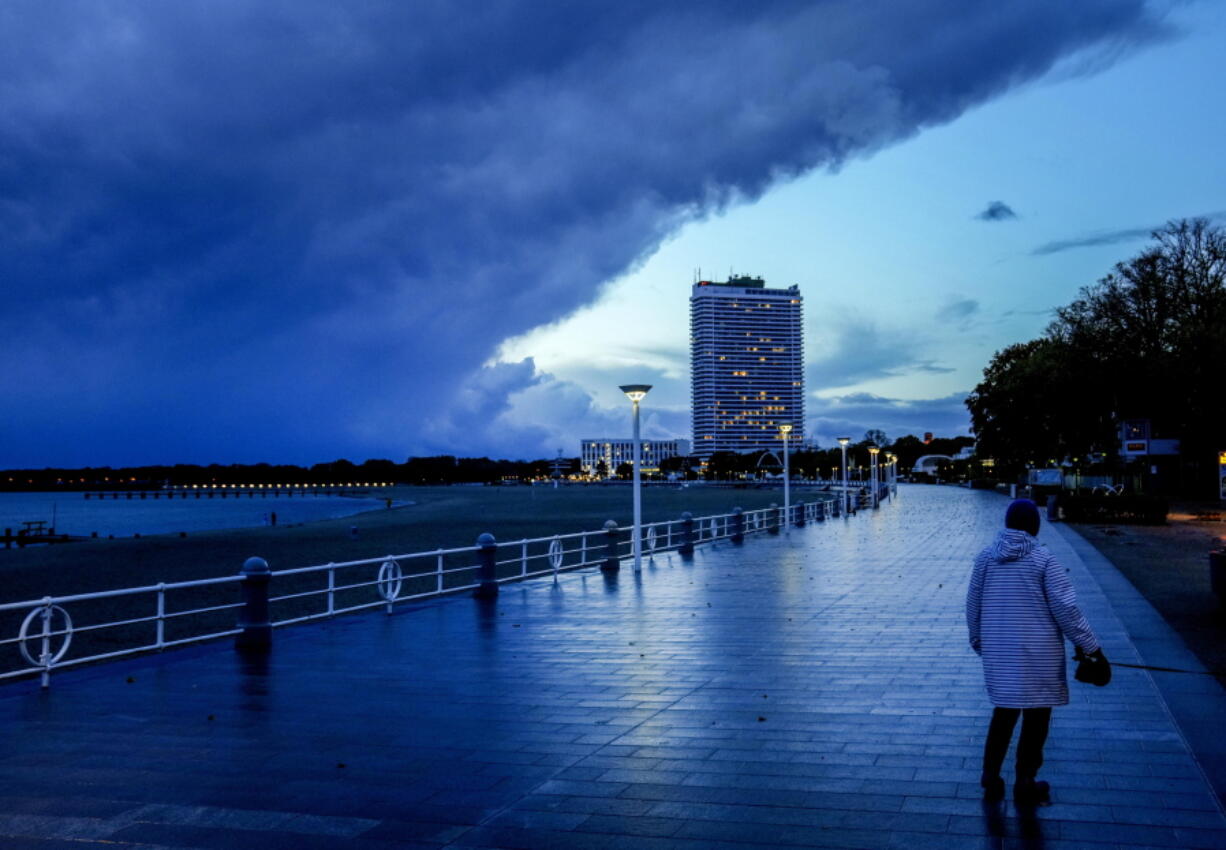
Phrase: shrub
(1135, 510)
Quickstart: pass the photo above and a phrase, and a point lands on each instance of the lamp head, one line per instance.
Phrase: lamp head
(635, 392)
(843, 441)
(785, 429)
(873, 450)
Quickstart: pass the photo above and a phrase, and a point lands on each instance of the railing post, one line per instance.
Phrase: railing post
(488, 573)
(44, 657)
(161, 614)
(773, 518)
(438, 570)
(331, 589)
(253, 619)
(686, 549)
(738, 525)
(800, 515)
(612, 563)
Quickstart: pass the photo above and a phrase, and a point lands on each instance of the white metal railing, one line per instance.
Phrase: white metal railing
(48, 629)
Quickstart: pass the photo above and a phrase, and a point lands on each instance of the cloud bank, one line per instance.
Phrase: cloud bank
(293, 231)
(851, 415)
(1109, 237)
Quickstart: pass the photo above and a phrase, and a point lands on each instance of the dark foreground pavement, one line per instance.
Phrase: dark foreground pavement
(809, 690)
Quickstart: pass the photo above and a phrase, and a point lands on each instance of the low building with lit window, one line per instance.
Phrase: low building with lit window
(612, 453)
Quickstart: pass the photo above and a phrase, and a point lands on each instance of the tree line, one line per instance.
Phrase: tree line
(1146, 343)
(820, 463)
(450, 469)
(442, 469)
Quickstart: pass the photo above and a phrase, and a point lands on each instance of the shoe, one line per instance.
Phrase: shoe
(993, 788)
(1028, 792)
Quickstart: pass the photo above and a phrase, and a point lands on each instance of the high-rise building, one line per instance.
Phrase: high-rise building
(747, 365)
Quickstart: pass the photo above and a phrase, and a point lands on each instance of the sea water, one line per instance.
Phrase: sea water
(72, 513)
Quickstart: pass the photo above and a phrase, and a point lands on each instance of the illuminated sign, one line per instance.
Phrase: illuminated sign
(1221, 468)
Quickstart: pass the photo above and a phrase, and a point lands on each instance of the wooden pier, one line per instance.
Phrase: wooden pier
(33, 533)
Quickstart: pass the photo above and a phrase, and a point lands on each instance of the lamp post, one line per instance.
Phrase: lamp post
(635, 393)
(843, 441)
(786, 432)
(891, 472)
(872, 451)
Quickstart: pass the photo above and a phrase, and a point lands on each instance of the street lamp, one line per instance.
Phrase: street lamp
(872, 451)
(786, 432)
(843, 441)
(636, 392)
(891, 472)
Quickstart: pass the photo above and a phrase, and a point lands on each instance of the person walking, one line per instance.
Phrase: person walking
(1020, 607)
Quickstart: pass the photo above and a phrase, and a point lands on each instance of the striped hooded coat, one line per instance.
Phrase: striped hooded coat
(1020, 607)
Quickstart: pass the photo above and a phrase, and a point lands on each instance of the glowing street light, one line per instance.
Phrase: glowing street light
(843, 441)
(636, 392)
(786, 432)
(872, 451)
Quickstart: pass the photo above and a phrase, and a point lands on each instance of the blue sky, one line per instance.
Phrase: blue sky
(299, 232)
(908, 290)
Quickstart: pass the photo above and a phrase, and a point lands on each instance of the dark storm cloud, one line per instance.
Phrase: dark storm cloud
(1109, 237)
(996, 211)
(287, 231)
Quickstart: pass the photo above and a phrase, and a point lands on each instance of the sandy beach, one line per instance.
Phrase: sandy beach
(427, 519)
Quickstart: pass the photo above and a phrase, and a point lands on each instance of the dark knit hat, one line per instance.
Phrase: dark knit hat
(1023, 515)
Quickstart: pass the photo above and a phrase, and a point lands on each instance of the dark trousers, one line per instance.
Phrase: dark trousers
(1035, 722)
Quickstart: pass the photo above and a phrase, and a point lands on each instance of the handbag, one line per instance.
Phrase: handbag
(1093, 669)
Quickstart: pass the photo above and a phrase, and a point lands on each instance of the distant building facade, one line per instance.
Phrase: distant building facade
(613, 453)
(747, 365)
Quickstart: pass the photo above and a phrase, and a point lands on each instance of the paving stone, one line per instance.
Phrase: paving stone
(812, 689)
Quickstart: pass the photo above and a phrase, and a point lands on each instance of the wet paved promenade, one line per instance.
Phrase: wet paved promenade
(811, 690)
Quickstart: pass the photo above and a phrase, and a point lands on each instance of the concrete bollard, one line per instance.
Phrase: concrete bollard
(253, 618)
(488, 567)
(738, 526)
(774, 518)
(686, 549)
(612, 561)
